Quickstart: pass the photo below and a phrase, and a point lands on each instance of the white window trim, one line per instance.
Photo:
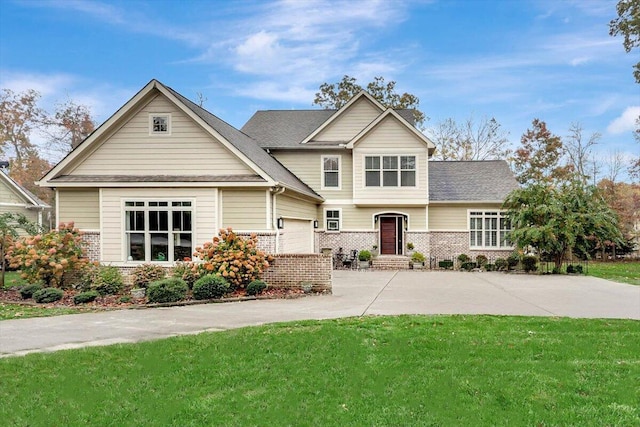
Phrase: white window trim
(484, 247)
(381, 170)
(322, 186)
(147, 232)
(168, 117)
(326, 229)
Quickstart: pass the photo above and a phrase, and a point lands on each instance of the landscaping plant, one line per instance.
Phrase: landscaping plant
(233, 257)
(417, 258)
(501, 264)
(513, 260)
(147, 273)
(27, 291)
(106, 280)
(211, 286)
(481, 260)
(85, 297)
(48, 295)
(187, 271)
(529, 263)
(47, 257)
(167, 290)
(256, 287)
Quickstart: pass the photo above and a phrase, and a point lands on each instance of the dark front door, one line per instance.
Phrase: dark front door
(389, 235)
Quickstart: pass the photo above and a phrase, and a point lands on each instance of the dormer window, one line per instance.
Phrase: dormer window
(159, 124)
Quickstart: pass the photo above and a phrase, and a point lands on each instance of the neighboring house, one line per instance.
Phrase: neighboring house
(14, 198)
(162, 175)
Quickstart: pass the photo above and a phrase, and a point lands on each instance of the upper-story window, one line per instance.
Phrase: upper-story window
(159, 124)
(395, 171)
(331, 172)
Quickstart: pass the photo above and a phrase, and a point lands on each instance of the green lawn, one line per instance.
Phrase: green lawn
(624, 272)
(374, 371)
(18, 311)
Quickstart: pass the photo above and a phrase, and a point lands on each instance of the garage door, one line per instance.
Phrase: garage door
(297, 236)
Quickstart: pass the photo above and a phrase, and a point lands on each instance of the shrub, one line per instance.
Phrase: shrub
(147, 273)
(27, 291)
(579, 269)
(481, 260)
(256, 287)
(501, 264)
(107, 280)
(417, 257)
(570, 269)
(530, 263)
(125, 298)
(446, 264)
(489, 267)
(167, 290)
(410, 246)
(84, 297)
(46, 257)
(513, 260)
(556, 270)
(462, 258)
(186, 271)
(236, 259)
(574, 269)
(364, 255)
(47, 295)
(210, 286)
(468, 266)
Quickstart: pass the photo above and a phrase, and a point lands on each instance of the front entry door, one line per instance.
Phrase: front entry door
(390, 235)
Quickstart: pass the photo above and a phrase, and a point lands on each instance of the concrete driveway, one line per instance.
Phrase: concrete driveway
(354, 294)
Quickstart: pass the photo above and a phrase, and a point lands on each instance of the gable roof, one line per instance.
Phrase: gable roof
(27, 195)
(239, 143)
(459, 181)
(288, 128)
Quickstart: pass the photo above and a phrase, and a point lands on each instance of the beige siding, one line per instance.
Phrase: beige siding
(350, 122)
(453, 217)
(8, 195)
(244, 210)
(205, 224)
(307, 165)
(80, 206)
(295, 208)
(31, 215)
(390, 137)
(358, 218)
(189, 150)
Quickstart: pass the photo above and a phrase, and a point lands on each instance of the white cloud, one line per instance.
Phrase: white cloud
(46, 84)
(625, 122)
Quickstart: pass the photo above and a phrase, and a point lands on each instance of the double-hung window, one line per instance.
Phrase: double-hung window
(333, 219)
(158, 230)
(488, 230)
(331, 172)
(390, 171)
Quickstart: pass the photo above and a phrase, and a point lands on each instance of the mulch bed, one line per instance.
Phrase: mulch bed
(109, 302)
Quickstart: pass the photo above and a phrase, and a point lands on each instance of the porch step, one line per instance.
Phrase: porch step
(390, 262)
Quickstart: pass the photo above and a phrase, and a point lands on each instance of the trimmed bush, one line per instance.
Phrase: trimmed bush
(513, 260)
(462, 258)
(574, 269)
(417, 257)
(147, 273)
(107, 280)
(256, 287)
(529, 263)
(481, 260)
(489, 267)
(27, 291)
(85, 297)
(468, 266)
(47, 295)
(211, 286)
(125, 298)
(364, 255)
(555, 270)
(186, 271)
(446, 264)
(501, 264)
(167, 290)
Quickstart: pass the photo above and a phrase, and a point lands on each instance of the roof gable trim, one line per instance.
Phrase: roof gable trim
(390, 112)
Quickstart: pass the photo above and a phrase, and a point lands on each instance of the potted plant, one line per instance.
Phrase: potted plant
(364, 257)
(375, 252)
(418, 260)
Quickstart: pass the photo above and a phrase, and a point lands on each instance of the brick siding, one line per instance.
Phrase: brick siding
(299, 271)
(91, 240)
(347, 240)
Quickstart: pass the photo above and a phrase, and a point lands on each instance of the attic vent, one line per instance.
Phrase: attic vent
(159, 124)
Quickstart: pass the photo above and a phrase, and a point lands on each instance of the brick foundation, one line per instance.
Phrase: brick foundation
(299, 271)
(91, 240)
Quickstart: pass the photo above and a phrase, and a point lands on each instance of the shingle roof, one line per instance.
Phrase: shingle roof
(470, 180)
(249, 147)
(287, 128)
(35, 200)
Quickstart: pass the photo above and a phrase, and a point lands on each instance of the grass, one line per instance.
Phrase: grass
(623, 272)
(407, 370)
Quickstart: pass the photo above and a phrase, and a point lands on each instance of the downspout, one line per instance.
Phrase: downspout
(277, 190)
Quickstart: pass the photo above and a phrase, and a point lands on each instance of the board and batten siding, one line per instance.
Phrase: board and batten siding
(361, 218)
(295, 208)
(188, 150)
(113, 244)
(307, 165)
(350, 122)
(390, 137)
(80, 206)
(454, 217)
(244, 210)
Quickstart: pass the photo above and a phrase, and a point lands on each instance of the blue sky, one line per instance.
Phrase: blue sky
(513, 60)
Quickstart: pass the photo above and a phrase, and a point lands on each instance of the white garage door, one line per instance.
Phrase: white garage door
(297, 236)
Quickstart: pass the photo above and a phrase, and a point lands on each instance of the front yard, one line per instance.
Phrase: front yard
(407, 370)
(623, 272)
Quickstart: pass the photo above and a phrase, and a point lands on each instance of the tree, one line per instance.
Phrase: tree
(29, 170)
(579, 151)
(556, 219)
(538, 159)
(19, 115)
(634, 169)
(627, 24)
(483, 140)
(336, 95)
(10, 223)
(69, 125)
